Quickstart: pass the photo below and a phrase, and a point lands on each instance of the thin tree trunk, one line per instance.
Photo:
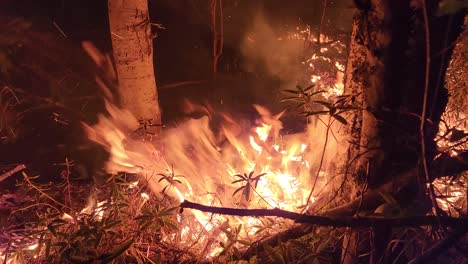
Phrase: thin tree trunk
(132, 45)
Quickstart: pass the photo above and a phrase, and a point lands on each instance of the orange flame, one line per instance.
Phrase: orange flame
(208, 167)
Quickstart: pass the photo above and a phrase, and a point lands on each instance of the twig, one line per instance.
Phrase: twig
(26, 178)
(424, 109)
(320, 165)
(11, 172)
(60, 30)
(354, 222)
(35, 205)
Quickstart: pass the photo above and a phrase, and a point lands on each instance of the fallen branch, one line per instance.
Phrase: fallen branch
(368, 202)
(302, 229)
(11, 172)
(371, 200)
(355, 222)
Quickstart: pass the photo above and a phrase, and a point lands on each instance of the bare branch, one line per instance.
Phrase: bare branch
(11, 172)
(354, 222)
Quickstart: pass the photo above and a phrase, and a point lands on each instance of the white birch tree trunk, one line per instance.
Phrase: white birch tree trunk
(133, 54)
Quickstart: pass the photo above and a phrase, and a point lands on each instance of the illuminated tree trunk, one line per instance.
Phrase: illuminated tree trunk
(132, 45)
(385, 77)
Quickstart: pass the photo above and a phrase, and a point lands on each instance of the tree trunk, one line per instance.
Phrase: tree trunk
(385, 77)
(132, 45)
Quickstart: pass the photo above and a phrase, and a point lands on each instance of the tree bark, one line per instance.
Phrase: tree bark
(385, 76)
(132, 45)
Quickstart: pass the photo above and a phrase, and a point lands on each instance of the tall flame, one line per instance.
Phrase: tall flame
(209, 163)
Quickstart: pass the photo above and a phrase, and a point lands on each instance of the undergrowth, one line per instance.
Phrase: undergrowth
(119, 223)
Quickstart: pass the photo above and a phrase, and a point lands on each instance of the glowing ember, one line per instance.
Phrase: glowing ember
(32, 247)
(67, 217)
(145, 196)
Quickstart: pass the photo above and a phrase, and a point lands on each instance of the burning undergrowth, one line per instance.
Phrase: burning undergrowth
(134, 209)
(236, 167)
(132, 214)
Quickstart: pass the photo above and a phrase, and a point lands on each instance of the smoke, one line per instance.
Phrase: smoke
(269, 49)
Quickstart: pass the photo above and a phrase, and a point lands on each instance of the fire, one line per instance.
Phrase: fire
(451, 194)
(278, 168)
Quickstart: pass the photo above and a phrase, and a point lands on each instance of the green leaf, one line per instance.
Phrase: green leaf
(309, 87)
(240, 176)
(299, 105)
(317, 92)
(247, 192)
(238, 190)
(340, 119)
(236, 181)
(228, 233)
(261, 174)
(171, 225)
